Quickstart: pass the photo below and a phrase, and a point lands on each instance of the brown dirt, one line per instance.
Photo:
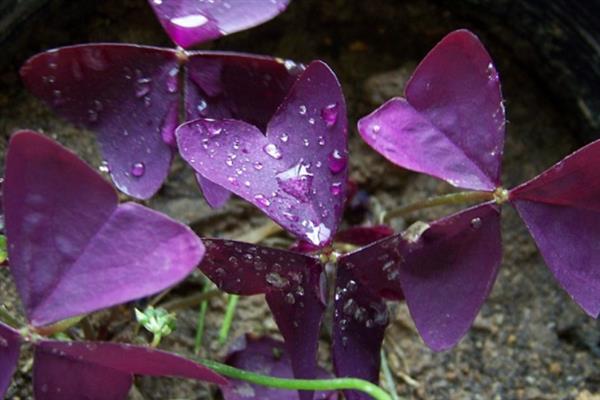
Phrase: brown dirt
(529, 342)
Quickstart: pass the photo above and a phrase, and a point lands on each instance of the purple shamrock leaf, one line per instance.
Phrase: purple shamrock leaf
(189, 22)
(126, 94)
(73, 249)
(92, 370)
(129, 96)
(291, 283)
(296, 173)
(456, 258)
(10, 345)
(451, 124)
(561, 208)
(264, 356)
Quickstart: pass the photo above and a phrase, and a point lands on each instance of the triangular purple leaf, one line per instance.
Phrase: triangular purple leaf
(561, 208)
(451, 124)
(447, 274)
(96, 370)
(216, 196)
(189, 22)
(72, 248)
(291, 283)
(238, 86)
(126, 94)
(264, 356)
(10, 346)
(297, 173)
(359, 322)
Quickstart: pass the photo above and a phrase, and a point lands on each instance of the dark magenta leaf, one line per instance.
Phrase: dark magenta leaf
(448, 273)
(10, 346)
(238, 86)
(190, 22)
(297, 173)
(96, 370)
(264, 356)
(364, 235)
(291, 283)
(126, 94)
(561, 208)
(72, 248)
(359, 322)
(451, 124)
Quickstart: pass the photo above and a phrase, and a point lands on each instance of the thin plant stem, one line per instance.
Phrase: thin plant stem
(201, 319)
(8, 319)
(156, 340)
(369, 388)
(447, 199)
(190, 301)
(389, 379)
(232, 301)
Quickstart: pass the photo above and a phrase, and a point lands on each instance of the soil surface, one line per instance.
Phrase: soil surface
(530, 340)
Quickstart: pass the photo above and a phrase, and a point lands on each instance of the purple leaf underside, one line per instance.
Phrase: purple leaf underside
(291, 283)
(190, 22)
(10, 346)
(561, 208)
(451, 124)
(96, 370)
(296, 174)
(359, 322)
(73, 249)
(264, 356)
(128, 95)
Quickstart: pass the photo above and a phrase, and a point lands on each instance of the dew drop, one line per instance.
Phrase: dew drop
(329, 114)
(258, 166)
(104, 167)
(476, 223)
(284, 137)
(276, 280)
(296, 181)
(337, 162)
(289, 298)
(336, 188)
(262, 200)
(302, 110)
(202, 106)
(172, 80)
(317, 234)
(190, 21)
(142, 85)
(375, 129)
(311, 121)
(138, 169)
(273, 151)
(321, 141)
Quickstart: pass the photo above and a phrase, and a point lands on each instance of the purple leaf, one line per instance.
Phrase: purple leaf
(447, 274)
(216, 196)
(189, 22)
(73, 249)
(297, 173)
(291, 283)
(264, 356)
(451, 124)
(96, 370)
(359, 322)
(10, 346)
(225, 85)
(561, 208)
(126, 94)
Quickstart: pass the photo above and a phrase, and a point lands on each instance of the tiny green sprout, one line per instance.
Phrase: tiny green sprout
(3, 253)
(158, 321)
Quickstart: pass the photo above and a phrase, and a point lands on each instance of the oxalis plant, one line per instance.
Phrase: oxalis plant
(274, 133)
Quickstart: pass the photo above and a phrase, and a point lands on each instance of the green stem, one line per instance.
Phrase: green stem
(156, 340)
(232, 301)
(299, 384)
(201, 319)
(447, 199)
(8, 319)
(387, 374)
